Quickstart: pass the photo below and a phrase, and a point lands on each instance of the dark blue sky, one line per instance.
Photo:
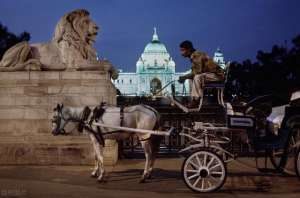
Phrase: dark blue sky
(239, 27)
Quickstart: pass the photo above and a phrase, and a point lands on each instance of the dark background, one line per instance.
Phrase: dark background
(240, 28)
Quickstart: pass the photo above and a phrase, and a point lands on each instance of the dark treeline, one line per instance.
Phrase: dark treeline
(276, 72)
(8, 39)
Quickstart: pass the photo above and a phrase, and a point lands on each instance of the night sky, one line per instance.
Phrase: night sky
(239, 27)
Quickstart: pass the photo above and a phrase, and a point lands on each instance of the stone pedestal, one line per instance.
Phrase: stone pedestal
(27, 100)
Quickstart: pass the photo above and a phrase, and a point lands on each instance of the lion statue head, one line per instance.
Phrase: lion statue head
(77, 31)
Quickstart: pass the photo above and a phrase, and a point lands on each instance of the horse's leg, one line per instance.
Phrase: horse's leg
(155, 143)
(100, 150)
(99, 159)
(152, 160)
(95, 172)
(147, 150)
(99, 155)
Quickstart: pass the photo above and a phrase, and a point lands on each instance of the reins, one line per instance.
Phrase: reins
(184, 92)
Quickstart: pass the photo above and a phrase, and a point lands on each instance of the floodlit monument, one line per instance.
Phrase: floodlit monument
(155, 68)
(35, 77)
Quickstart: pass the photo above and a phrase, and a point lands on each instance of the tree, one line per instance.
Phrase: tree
(276, 72)
(8, 39)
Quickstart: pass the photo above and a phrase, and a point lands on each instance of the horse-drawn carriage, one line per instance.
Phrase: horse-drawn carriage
(269, 125)
(204, 168)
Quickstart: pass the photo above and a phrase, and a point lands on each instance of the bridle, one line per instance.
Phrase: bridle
(84, 122)
(57, 120)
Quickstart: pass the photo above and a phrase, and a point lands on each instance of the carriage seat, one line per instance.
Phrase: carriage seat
(219, 86)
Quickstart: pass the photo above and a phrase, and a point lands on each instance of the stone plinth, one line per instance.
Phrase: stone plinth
(27, 100)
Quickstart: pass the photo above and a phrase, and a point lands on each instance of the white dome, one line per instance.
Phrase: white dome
(155, 47)
(155, 55)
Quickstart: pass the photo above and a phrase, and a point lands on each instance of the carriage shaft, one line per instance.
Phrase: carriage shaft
(152, 132)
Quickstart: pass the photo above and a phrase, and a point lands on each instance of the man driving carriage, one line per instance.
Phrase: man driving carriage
(204, 69)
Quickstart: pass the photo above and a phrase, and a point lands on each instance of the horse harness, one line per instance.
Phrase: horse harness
(97, 114)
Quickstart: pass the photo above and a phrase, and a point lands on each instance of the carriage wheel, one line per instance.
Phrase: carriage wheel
(204, 171)
(287, 166)
(297, 163)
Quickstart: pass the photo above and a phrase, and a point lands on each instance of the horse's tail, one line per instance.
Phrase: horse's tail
(155, 143)
(157, 123)
(156, 139)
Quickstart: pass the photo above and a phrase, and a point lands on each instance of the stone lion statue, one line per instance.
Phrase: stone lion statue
(71, 48)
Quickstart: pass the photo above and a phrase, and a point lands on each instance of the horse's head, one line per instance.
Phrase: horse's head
(61, 117)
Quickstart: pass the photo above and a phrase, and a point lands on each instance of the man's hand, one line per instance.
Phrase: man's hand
(181, 79)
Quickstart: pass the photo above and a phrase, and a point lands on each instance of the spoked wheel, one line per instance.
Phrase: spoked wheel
(284, 160)
(297, 163)
(204, 171)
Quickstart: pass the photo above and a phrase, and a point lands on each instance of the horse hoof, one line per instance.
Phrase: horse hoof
(142, 180)
(102, 179)
(94, 175)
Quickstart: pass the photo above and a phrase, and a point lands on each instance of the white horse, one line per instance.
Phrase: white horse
(139, 116)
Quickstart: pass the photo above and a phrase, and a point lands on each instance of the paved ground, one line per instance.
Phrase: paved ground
(74, 181)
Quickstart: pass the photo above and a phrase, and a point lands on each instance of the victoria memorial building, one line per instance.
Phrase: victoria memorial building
(155, 68)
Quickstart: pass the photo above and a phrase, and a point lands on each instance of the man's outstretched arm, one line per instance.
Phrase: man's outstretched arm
(185, 77)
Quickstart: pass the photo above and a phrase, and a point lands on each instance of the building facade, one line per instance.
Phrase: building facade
(155, 69)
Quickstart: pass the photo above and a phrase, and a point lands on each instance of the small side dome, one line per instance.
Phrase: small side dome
(171, 63)
(139, 62)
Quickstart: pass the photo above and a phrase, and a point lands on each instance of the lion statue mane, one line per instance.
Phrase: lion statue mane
(71, 48)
